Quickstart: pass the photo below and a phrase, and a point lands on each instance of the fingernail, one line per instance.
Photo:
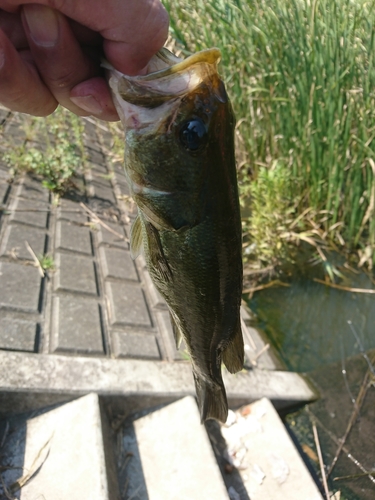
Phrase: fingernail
(43, 24)
(88, 103)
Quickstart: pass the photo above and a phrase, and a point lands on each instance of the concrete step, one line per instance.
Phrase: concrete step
(261, 450)
(167, 456)
(33, 381)
(162, 454)
(60, 454)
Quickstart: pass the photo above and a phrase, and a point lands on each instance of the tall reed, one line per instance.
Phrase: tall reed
(301, 75)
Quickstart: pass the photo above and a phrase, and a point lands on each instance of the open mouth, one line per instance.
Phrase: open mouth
(144, 101)
(168, 77)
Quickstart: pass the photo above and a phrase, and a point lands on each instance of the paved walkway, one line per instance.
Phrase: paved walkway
(97, 301)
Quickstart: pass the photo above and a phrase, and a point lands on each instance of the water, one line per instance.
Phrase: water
(318, 329)
(308, 322)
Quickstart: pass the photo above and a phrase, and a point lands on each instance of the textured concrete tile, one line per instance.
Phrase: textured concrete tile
(104, 193)
(75, 274)
(14, 131)
(127, 305)
(19, 286)
(118, 264)
(4, 186)
(156, 300)
(165, 328)
(102, 179)
(121, 179)
(15, 237)
(109, 238)
(94, 154)
(76, 325)
(135, 345)
(70, 236)
(71, 210)
(33, 189)
(17, 334)
(31, 212)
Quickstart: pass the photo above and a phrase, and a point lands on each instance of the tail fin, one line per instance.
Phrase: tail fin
(233, 356)
(212, 400)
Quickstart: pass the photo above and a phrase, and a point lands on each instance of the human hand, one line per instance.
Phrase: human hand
(50, 55)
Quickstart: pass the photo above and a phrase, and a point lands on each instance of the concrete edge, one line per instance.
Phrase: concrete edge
(50, 379)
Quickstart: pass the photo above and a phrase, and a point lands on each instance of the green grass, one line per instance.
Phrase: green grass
(52, 149)
(47, 262)
(301, 76)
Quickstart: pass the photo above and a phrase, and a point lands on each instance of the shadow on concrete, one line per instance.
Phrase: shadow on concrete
(231, 475)
(12, 454)
(130, 472)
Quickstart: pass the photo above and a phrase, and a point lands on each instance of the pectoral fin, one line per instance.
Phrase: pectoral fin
(168, 218)
(176, 332)
(136, 238)
(233, 355)
(156, 253)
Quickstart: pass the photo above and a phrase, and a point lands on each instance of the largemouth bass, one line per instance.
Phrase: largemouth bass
(180, 165)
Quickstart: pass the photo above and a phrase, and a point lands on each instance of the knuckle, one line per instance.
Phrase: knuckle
(61, 81)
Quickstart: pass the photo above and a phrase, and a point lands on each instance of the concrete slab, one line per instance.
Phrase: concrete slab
(77, 326)
(75, 376)
(176, 456)
(14, 241)
(65, 445)
(19, 287)
(135, 345)
(73, 237)
(261, 449)
(18, 334)
(30, 212)
(75, 274)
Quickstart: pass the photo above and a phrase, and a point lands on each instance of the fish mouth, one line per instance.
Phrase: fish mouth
(176, 65)
(168, 78)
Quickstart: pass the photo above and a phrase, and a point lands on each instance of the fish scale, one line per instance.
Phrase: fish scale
(179, 161)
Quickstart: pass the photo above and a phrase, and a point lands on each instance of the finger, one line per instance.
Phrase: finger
(21, 88)
(58, 56)
(12, 26)
(85, 35)
(130, 46)
(133, 30)
(92, 92)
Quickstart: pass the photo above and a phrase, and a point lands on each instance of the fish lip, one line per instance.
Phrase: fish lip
(208, 56)
(144, 100)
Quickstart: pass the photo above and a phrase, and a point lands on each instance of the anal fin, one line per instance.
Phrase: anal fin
(233, 355)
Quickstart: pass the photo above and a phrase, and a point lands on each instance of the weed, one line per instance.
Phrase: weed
(46, 262)
(301, 78)
(52, 149)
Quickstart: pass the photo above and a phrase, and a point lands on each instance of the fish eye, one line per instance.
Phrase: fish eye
(193, 134)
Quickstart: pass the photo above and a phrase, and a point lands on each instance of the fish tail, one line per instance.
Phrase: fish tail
(233, 356)
(212, 400)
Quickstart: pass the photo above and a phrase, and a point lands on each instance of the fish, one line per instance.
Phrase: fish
(181, 170)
